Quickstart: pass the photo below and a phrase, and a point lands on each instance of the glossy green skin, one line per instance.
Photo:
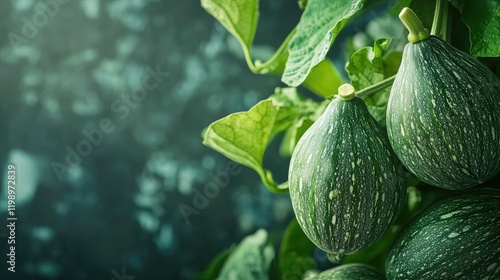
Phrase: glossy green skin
(345, 182)
(351, 272)
(456, 238)
(443, 116)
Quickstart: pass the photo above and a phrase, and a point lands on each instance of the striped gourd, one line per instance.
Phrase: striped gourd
(345, 182)
(456, 238)
(443, 115)
(351, 272)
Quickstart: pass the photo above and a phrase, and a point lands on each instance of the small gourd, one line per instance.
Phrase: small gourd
(351, 272)
(443, 114)
(346, 184)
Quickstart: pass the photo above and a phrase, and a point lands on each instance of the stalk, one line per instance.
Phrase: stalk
(440, 14)
(376, 87)
(417, 31)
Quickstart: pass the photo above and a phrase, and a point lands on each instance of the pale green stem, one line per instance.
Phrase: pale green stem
(346, 92)
(439, 15)
(417, 31)
(263, 67)
(376, 87)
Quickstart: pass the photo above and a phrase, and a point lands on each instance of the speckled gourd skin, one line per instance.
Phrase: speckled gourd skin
(345, 182)
(443, 116)
(351, 272)
(456, 238)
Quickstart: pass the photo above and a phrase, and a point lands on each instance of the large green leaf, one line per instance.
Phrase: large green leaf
(307, 110)
(293, 135)
(368, 66)
(243, 137)
(324, 79)
(295, 253)
(365, 66)
(483, 19)
(240, 17)
(250, 260)
(289, 97)
(391, 62)
(319, 25)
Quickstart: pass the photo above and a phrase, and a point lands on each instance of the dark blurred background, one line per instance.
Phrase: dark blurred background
(66, 66)
(106, 206)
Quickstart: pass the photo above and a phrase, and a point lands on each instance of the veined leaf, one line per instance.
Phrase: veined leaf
(307, 110)
(391, 62)
(293, 135)
(365, 65)
(250, 260)
(483, 20)
(243, 137)
(239, 17)
(368, 66)
(319, 25)
(289, 97)
(324, 79)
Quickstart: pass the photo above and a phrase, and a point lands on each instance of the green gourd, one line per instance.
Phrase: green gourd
(346, 184)
(350, 272)
(456, 238)
(443, 114)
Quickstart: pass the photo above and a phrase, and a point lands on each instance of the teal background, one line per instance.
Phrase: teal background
(68, 66)
(117, 210)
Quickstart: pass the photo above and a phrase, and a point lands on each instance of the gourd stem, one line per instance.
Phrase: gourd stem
(376, 87)
(417, 31)
(346, 92)
(439, 15)
(259, 67)
(335, 258)
(445, 30)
